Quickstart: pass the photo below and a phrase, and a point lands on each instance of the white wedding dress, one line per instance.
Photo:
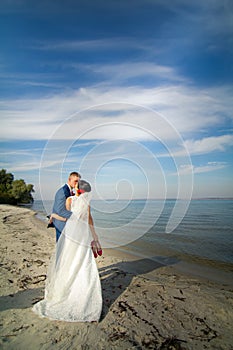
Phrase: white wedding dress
(73, 289)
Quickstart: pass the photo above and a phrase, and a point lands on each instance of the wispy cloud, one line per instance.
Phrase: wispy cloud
(189, 109)
(90, 45)
(212, 16)
(209, 167)
(125, 71)
(209, 144)
(205, 145)
(27, 164)
(20, 153)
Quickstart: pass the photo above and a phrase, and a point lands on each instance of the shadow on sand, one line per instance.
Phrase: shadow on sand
(117, 277)
(22, 299)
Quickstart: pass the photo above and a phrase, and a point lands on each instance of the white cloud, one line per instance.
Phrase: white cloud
(202, 146)
(18, 152)
(209, 167)
(29, 165)
(189, 109)
(89, 45)
(213, 16)
(123, 71)
(209, 144)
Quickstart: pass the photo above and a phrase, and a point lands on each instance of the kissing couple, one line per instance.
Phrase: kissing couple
(73, 289)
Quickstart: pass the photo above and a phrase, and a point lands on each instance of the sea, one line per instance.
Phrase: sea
(204, 234)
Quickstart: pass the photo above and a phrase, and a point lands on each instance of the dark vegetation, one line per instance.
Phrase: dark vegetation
(14, 191)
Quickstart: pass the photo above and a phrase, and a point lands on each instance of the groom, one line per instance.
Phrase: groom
(59, 206)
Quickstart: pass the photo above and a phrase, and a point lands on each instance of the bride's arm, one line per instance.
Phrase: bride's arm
(91, 224)
(56, 216)
(68, 203)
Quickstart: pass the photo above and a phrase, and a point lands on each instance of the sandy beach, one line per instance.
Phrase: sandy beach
(147, 304)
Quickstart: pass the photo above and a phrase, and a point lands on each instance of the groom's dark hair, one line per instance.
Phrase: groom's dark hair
(74, 173)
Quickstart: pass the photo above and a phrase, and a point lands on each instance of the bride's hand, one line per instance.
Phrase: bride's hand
(96, 248)
(95, 237)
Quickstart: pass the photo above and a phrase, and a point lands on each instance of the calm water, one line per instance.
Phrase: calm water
(205, 232)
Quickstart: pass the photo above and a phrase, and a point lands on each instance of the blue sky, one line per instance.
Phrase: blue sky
(137, 95)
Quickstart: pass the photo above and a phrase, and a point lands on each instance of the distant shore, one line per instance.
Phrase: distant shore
(147, 304)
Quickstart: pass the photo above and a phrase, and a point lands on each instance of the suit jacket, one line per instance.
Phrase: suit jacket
(59, 206)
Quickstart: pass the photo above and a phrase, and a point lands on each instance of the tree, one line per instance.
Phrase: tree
(6, 180)
(14, 191)
(21, 192)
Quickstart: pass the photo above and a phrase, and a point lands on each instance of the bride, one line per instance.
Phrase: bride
(73, 289)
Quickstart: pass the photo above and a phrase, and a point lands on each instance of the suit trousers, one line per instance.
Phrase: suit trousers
(58, 234)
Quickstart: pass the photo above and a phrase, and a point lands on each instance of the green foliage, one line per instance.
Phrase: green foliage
(6, 198)
(14, 191)
(6, 180)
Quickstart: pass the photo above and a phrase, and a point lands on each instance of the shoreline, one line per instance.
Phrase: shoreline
(211, 270)
(207, 270)
(221, 274)
(146, 303)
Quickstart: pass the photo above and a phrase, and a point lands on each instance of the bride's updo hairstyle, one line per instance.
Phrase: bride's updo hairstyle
(84, 186)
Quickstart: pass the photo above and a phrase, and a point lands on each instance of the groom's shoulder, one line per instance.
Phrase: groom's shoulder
(61, 190)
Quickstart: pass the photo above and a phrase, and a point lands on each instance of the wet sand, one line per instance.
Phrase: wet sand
(148, 304)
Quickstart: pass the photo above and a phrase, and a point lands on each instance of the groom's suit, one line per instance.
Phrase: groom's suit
(59, 207)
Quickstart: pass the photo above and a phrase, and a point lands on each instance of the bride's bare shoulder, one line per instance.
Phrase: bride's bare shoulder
(68, 203)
